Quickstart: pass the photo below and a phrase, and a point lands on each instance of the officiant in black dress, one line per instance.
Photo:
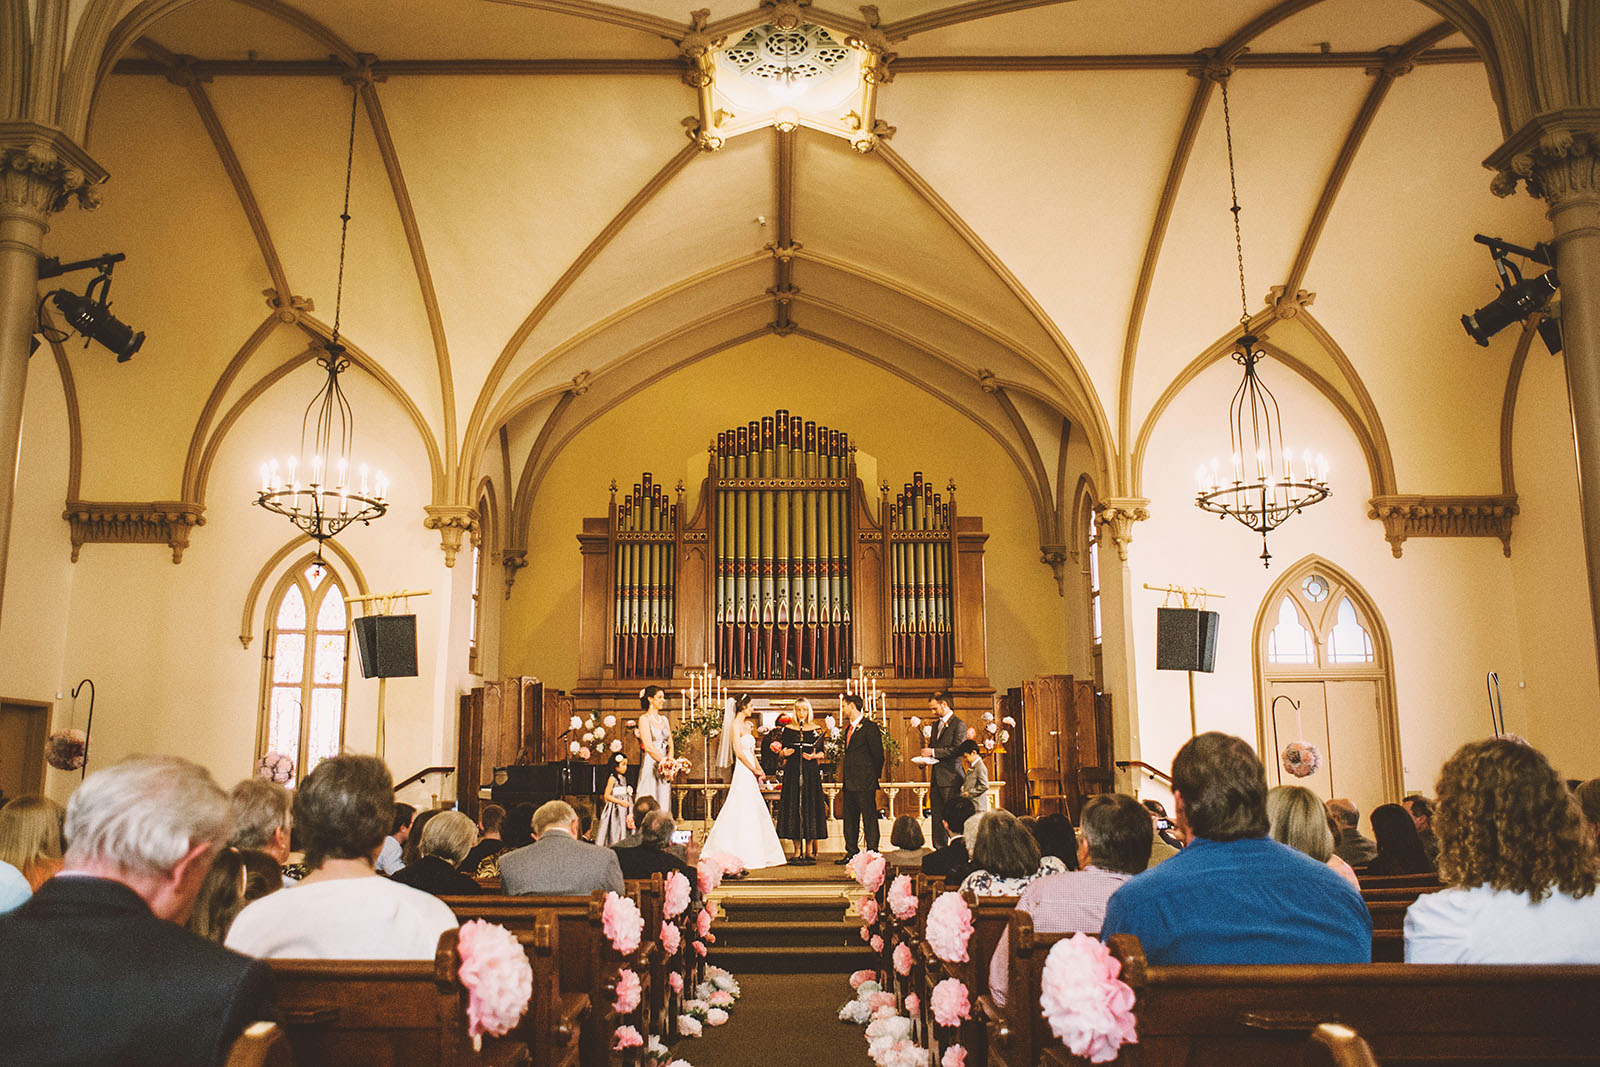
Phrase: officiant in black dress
(859, 770)
(802, 812)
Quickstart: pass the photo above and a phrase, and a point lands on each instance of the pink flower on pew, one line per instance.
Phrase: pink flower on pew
(954, 1056)
(913, 1004)
(902, 959)
(903, 1054)
(623, 923)
(629, 990)
(1088, 1006)
(675, 980)
(872, 871)
(950, 1003)
(709, 874)
(902, 898)
(876, 943)
(671, 938)
(879, 999)
(731, 864)
(689, 1026)
(497, 977)
(949, 927)
(866, 974)
(867, 907)
(702, 922)
(626, 1037)
(866, 934)
(720, 999)
(700, 947)
(676, 899)
(716, 1016)
(711, 939)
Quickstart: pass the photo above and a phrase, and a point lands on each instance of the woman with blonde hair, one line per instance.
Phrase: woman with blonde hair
(30, 840)
(1517, 862)
(1297, 817)
(802, 811)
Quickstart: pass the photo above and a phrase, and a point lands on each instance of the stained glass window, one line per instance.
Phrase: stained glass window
(472, 619)
(307, 668)
(1289, 641)
(1349, 642)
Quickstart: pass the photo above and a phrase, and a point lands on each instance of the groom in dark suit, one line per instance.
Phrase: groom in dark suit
(947, 778)
(859, 770)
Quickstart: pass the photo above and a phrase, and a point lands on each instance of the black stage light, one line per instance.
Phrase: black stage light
(1512, 305)
(95, 322)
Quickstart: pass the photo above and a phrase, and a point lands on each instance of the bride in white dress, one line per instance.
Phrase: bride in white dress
(744, 825)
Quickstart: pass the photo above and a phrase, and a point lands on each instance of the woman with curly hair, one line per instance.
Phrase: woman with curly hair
(1517, 863)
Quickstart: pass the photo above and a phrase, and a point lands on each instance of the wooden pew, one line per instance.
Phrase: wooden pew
(261, 1044)
(990, 915)
(1420, 882)
(384, 1013)
(650, 894)
(1016, 1034)
(1409, 1014)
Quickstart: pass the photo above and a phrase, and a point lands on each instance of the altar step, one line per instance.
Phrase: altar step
(802, 932)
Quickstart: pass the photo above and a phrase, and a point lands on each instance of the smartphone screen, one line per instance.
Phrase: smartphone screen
(681, 837)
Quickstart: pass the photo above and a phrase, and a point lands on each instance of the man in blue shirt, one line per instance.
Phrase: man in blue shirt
(1233, 895)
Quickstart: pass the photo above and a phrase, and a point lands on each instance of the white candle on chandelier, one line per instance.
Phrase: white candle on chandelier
(1288, 465)
(293, 481)
(316, 472)
(1261, 465)
(1322, 468)
(1305, 465)
(383, 487)
(1238, 469)
(1200, 478)
(266, 483)
(344, 465)
(363, 479)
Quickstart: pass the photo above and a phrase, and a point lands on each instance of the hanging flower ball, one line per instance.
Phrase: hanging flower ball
(275, 767)
(65, 750)
(1301, 759)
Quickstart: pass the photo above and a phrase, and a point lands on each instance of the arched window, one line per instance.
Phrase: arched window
(307, 657)
(1090, 531)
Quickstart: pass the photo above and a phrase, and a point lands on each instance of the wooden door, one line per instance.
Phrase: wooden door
(23, 725)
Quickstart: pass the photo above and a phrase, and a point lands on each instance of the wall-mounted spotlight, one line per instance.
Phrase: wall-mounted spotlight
(89, 314)
(1518, 298)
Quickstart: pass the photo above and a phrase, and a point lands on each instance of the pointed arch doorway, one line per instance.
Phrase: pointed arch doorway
(1324, 672)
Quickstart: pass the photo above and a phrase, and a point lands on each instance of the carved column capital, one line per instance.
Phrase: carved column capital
(1116, 515)
(1554, 155)
(786, 14)
(451, 520)
(513, 561)
(1055, 557)
(42, 170)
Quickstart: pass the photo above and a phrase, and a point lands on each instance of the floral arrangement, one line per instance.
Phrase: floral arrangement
(954, 1056)
(275, 767)
(622, 922)
(950, 1003)
(862, 977)
(671, 939)
(889, 1043)
(949, 927)
(675, 980)
(876, 943)
(902, 898)
(676, 899)
(66, 750)
(702, 922)
(868, 868)
(716, 1017)
(689, 1026)
(1301, 759)
(708, 874)
(703, 720)
(673, 769)
(867, 908)
(497, 976)
(1087, 1005)
(696, 1008)
(858, 1009)
(629, 989)
(656, 1054)
(913, 1004)
(995, 737)
(902, 959)
(626, 1037)
(723, 981)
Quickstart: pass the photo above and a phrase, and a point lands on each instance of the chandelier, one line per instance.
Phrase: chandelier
(1263, 488)
(315, 489)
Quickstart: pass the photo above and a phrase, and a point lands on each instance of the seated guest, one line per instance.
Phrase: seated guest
(1517, 861)
(1115, 847)
(445, 840)
(585, 812)
(490, 816)
(558, 863)
(1232, 895)
(1351, 845)
(952, 860)
(1005, 857)
(30, 847)
(262, 875)
(413, 846)
(98, 967)
(1167, 840)
(1057, 838)
(1296, 817)
(642, 806)
(343, 909)
(391, 859)
(906, 837)
(1400, 848)
(262, 820)
(975, 785)
(1420, 808)
(221, 896)
(517, 829)
(652, 853)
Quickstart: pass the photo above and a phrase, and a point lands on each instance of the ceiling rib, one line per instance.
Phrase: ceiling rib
(392, 68)
(616, 16)
(959, 13)
(783, 290)
(1166, 61)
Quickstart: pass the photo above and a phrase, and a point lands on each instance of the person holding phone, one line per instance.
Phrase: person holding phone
(651, 855)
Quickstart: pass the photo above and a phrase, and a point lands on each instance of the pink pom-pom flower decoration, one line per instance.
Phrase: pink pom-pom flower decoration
(1301, 759)
(629, 989)
(497, 977)
(709, 875)
(675, 980)
(879, 999)
(1087, 1005)
(700, 948)
(876, 943)
(676, 899)
(954, 1056)
(275, 767)
(913, 1004)
(872, 871)
(702, 922)
(731, 864)
(626, 1037)
(65, 750)
(950, 1002)
(671, 938)
(866, 933)
(902, 959)
(689, 1026)
(622, 922)
(866, 974)
(716, 1016)
(902, 898)
(720, 999)
(868, 908)
(949, 927)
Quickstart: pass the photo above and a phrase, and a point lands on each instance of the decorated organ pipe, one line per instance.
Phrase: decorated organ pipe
(643, 530)
(920, 529)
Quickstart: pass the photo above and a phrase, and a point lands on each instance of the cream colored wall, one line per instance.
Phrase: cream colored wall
(904, 428)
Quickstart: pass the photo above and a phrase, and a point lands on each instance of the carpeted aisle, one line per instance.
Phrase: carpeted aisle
(782, 1019)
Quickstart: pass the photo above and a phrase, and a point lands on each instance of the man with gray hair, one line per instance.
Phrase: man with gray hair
(652, 853)
(262, 819)
(558, 863)
(98, 967)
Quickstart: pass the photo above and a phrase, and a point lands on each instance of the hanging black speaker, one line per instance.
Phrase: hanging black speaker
(1186, 639)
(388, 645)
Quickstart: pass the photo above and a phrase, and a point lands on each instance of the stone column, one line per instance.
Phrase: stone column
(1555, 156)
(41, 170)
(1115, 518)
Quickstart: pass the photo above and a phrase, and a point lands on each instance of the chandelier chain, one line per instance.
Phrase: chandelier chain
(1233, 188)
(344, 216)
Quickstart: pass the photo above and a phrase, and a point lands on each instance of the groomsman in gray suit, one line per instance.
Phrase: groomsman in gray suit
(558, 863)
(948, 775)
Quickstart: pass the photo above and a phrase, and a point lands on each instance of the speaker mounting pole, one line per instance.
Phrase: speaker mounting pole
(383, 604)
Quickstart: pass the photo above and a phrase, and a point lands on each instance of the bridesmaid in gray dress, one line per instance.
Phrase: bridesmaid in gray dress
(655, 741)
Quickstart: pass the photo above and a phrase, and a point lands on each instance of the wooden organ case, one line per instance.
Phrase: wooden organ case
(785, 578)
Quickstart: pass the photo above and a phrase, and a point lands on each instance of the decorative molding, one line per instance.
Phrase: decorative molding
(1285, 305)
(42, 170)
(513, 561)
(1444, 516)
(1557, 155)
(451, 520)
(1116, 516)
(165, 522)
(1055, 557)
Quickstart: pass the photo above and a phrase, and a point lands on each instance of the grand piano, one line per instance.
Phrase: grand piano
(535, 783)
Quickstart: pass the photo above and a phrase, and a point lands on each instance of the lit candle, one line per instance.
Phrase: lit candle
(1200, 478)
(383, 487)
(363, 479)
(344, 464)
(1322, 468)
(266, 484)
(1238, 470)
(1288, 465)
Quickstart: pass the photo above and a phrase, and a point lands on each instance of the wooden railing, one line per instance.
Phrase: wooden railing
(1154, 772)
(420, 775)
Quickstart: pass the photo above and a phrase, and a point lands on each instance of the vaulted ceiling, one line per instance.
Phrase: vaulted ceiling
(1043, 241)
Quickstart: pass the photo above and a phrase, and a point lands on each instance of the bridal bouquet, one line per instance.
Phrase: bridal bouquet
(673, 769)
